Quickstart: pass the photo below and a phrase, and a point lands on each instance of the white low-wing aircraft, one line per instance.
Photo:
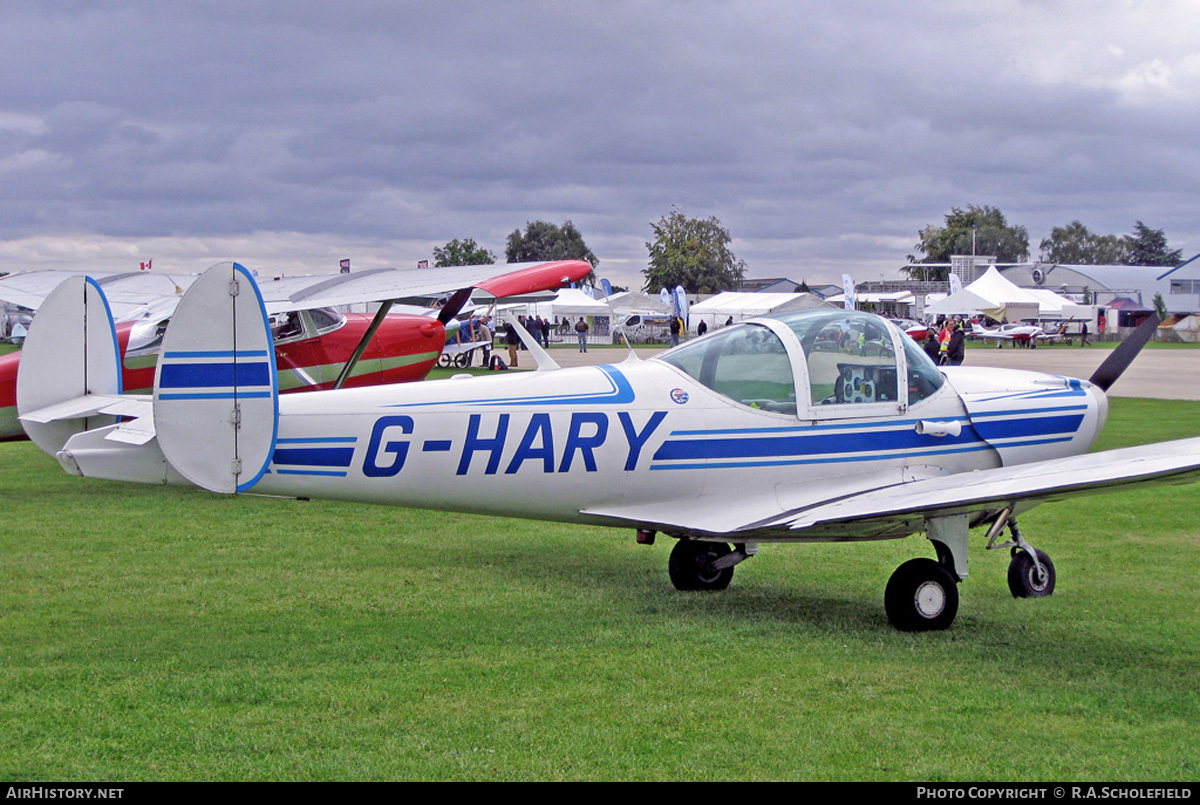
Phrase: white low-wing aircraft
(821, 425)
(1024, 334)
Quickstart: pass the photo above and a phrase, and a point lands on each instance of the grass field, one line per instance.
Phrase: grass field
(169, 634)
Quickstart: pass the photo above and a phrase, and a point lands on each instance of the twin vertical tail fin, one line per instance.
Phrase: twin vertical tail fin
(216, 392)
(70, 365)
(215, 409)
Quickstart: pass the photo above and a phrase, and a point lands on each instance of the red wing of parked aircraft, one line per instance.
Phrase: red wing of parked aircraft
(314, 343)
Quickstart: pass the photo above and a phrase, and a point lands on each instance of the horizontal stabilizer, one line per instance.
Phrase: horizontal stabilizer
(77, 408)
(135, 431)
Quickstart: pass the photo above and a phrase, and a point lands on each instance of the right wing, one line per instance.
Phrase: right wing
(897, 510)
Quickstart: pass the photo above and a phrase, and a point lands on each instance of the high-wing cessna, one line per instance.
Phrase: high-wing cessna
(313, 342)
(821, 425)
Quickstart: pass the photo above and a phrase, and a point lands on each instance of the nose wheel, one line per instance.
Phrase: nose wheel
(1030, 574)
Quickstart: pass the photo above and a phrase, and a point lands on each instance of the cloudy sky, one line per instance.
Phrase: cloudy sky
(824, 135)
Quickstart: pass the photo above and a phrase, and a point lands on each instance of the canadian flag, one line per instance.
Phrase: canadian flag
(146, 264)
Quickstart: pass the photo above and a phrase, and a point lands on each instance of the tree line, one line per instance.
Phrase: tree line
(984, 230)
(692, 252)
(696, 253)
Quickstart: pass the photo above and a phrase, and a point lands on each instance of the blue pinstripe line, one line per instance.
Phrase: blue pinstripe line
(219, 353)
(714, 465)
(220, 395)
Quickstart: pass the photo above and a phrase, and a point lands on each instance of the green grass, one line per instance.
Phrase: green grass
(150, 634)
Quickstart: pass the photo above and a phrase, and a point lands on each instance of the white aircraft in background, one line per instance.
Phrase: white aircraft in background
(822, 425)
(1022, 334)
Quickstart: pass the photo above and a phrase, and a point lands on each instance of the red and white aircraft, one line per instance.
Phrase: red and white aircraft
(1022, 334)
(313, 342)
(821, 425)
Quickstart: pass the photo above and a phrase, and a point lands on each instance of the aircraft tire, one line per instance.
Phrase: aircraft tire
(921, 596)
(690, 565)
(462, 360)
(444, 360)
(1024, 581)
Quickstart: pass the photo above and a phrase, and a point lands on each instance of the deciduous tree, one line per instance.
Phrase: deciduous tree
(462, 253)
(975, 230)
(694, 253)
(545, 241)
(1074, 244)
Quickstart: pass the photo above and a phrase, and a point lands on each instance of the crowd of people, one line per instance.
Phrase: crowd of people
(947, 344)
(477, 329)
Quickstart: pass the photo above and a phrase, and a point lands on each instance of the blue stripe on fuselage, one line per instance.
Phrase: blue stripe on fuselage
(821, 445)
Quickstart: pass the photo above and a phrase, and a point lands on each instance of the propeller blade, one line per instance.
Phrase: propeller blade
(454, 304)
(1116, 363)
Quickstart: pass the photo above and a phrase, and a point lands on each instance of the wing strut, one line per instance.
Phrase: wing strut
(380, 315)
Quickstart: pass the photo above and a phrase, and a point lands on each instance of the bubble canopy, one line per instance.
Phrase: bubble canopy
(814, 362)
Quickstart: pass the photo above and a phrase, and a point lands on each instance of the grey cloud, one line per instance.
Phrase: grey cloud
(830, 129)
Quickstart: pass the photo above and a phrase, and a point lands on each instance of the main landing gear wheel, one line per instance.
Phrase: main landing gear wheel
(691, 565)
(921, 596)
(1026, 580)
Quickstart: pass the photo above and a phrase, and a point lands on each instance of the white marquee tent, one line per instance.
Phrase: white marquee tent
(998, 298)
(742, 305)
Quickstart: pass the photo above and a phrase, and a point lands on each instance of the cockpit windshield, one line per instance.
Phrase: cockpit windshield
(850, 356)
(852, 359)
(747, 363)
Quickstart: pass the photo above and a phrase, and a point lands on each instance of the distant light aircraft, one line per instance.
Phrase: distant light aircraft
(1021, 334)
(1058, 335)
(822, 425)
(313, 342)
(915, 329)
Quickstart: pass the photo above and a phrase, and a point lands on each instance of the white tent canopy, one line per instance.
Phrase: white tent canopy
(963, 303)
(636, 302)
(742, 305)
(993, 295)
(569, 303)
